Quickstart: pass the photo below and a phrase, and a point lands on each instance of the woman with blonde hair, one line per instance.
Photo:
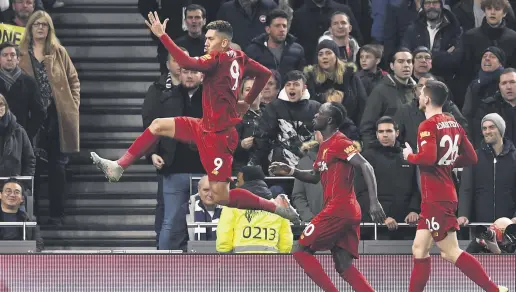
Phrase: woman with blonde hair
(332, 73)
(44, 58)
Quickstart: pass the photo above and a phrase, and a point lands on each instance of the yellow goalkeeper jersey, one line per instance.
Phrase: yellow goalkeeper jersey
(253, 231)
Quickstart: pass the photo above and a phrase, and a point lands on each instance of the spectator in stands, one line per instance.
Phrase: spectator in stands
(203, 209)
(362, 11)
(437, 29)
(16, 154)
(11, 200)
(277, 49)
(20, 90)
(370, 74)
(271, 90)
(20, 12)
(470, 14)
(43, 57)
(193, 41)
(488, 188)
(252, 231)
(247, 129)
(307, 198)
(313, 19)
(286, 123)
(422, 62)
(492, 32)
(247, 17)
(409, 116)
(173, 10)
(330, 72)
(505, 101)
(480, 93)
(389, 95)
(176, 162)
(398, 191)
(399, 14)
(211, 7)
(339, 32)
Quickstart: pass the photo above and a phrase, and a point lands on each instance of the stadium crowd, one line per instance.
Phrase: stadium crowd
(373, 56)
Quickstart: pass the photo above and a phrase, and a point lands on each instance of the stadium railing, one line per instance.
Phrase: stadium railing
(19, 224)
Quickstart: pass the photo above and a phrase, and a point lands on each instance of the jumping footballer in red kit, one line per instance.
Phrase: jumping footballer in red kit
(215, 134)
(442, 146)
(337, 226)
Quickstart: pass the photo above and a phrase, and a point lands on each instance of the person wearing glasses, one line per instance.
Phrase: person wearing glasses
(43, 57)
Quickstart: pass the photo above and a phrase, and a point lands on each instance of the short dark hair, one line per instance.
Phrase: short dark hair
(338, 113)
(193, 7)
(387, 120)
(221, 26)
(400, 50)
(295, 75)
(14, 181)
(427, 75)
(373, 50)
(277, 77)
(275, 13)
(508, 70)
(438, 92)
(502, 4)
(339, 13)
(10, 45)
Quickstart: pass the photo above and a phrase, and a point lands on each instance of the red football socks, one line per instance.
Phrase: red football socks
(469, 265)
(244, 199)
(314, 270)
(357, 281)
(140, 146)
(420, 275)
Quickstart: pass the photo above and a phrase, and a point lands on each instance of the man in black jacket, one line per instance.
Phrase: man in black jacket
(20, 90)
(435, 28)
(397, 184)
(409, 116)
(313, 19)
(195, 20)
(277, 49)
(247, 17)
(11, 198)
(488, 189)
(175, 162)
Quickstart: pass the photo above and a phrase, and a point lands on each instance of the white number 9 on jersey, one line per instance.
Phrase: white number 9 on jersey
(234, 71)
(452, 151)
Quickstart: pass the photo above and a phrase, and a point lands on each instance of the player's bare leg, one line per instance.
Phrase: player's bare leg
(244, 199)
(468, 264)
(344, 266)
(313, 268)
(422, 265)
(113, 169)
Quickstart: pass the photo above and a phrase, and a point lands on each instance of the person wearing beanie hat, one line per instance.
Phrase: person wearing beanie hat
(327, 44)
(499, 53)
(497, 120)
(422, 62)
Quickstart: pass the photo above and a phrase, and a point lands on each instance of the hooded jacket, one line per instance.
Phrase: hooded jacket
(286, 126)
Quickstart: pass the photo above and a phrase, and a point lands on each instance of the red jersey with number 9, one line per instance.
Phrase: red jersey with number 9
(440, 139)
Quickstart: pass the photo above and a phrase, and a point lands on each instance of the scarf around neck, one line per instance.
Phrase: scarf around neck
(10, 77)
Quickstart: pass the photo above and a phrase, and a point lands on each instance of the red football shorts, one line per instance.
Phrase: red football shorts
(439, 218)
(215, 149)
(326, 231)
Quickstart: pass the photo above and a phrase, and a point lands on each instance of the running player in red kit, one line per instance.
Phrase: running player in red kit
(442, 146)
(337, 226)
(215, 134)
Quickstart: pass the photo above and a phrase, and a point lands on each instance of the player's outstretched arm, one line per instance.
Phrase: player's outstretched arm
(197, 64)
(283, 169)
(261, 75)
(468, 155)
(375, 208)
